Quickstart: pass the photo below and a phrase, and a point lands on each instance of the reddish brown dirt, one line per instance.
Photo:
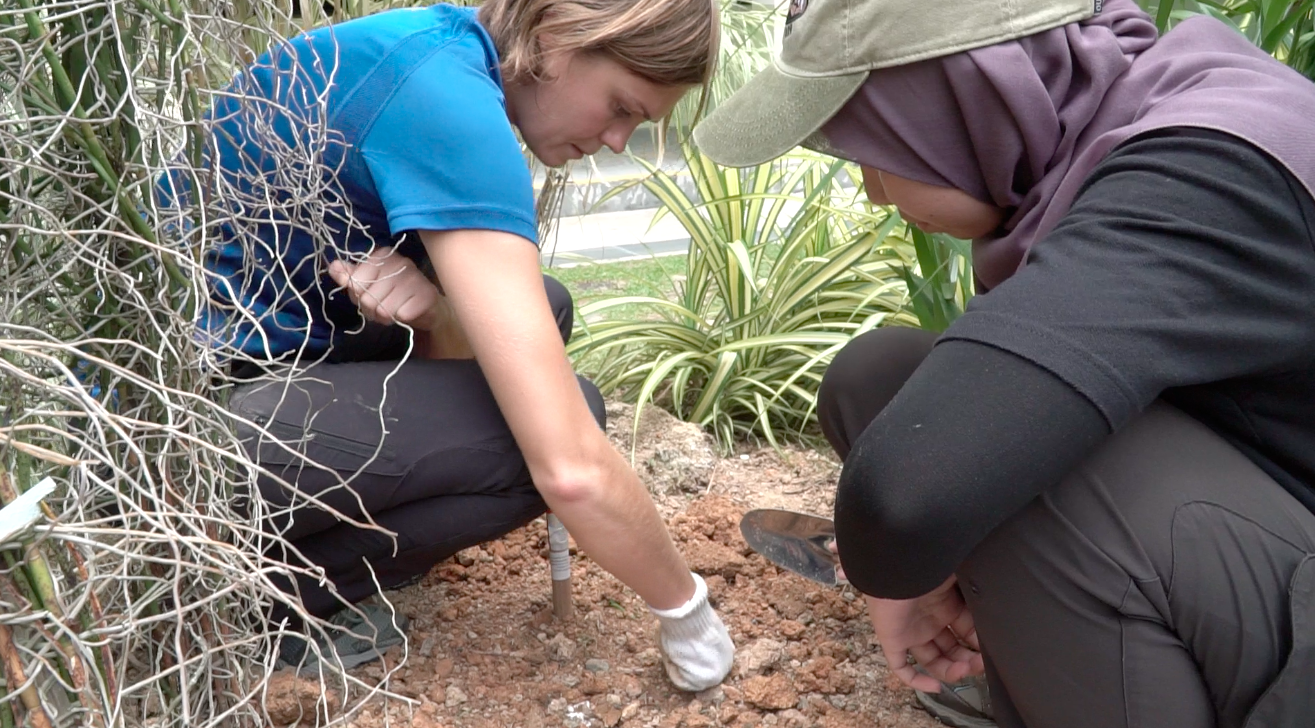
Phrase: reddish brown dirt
(485, 651)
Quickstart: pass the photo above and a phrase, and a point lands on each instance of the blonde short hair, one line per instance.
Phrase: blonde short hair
(667, 42)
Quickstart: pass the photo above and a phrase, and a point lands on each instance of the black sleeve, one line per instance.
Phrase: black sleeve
(1185, 260)
(928, 480)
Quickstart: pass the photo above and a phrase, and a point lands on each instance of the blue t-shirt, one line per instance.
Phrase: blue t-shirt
(344, 138)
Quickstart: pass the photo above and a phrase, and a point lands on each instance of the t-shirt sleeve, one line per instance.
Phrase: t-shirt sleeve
(1185, 260)
(442, 153)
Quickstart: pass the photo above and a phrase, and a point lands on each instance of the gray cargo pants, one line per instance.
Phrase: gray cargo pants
(1167, 582)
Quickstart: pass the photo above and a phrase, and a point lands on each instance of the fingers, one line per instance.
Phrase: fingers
(388, 288)
(340, 272)
(908, 674)
(945, 658)
(840, 570)
(964, 627)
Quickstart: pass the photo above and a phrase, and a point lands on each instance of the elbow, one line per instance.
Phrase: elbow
(889, 532)
(566, 483)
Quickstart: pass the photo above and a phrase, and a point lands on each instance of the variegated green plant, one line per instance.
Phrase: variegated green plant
(783, 269)
(1282, 28)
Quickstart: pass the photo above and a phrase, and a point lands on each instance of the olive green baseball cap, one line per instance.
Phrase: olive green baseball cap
(828, 48)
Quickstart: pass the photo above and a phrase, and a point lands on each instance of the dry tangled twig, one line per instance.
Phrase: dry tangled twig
(141, 597)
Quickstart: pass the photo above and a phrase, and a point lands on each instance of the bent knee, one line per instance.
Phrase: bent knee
(883, 357)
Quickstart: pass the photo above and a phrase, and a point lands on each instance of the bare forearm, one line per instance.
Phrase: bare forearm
(495, 288)
(618, 526)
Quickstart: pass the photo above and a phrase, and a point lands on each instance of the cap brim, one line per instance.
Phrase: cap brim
(771, 115)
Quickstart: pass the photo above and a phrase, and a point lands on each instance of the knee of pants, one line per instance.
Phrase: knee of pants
(563, 309)
(863, 378)
(1118, 500)
(595, 399)
(1159, 484)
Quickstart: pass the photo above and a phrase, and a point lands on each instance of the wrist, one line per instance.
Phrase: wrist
(691, 604)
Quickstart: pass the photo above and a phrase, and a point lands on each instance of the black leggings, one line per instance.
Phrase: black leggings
(1166, 581)
(419, 446)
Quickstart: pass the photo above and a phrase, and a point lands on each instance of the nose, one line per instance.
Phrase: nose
(617, 135)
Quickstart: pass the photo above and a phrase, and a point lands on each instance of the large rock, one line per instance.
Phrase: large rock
(770, 692)
(291, 700)
(669, 455)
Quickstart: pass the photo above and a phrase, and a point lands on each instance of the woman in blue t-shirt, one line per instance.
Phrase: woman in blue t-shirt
(378, 287)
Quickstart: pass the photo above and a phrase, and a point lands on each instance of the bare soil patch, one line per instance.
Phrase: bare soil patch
(485, 652)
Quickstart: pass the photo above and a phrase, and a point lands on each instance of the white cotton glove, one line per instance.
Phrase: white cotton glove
(696, 648)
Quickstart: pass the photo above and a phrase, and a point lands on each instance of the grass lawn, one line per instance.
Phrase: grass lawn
(593, 281)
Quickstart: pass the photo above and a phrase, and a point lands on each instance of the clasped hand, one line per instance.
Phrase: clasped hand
(936, 629)
(389, 288)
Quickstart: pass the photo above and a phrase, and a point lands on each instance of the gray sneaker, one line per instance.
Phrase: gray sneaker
(965, 704)
(358, 636)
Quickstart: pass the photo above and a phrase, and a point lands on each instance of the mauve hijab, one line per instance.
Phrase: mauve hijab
(1021, 124)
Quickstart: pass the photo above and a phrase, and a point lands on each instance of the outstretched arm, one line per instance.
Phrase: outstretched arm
(494, 284)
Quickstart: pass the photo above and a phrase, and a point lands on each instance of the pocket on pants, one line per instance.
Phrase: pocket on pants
(1290, 699)
(306, 425)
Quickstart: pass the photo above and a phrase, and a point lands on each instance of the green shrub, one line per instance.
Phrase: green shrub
(1282, 28)
(782, 270)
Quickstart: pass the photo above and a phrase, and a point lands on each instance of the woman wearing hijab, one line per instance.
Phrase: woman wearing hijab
(1101, 478)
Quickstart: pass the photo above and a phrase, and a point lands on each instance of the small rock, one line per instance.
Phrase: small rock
(791, 629)
(794, 719)
(443, 669)
(713, 695)
(749, 718)
(427, 647)
(610, 717)
(579, 714)
(770, 692)
(438, 693)
(758, 656)
(557, 705)
(593, 684)
(710, 557)
(630, 711)
(454, 696)
(596, 665)
(649, 657)
(561, 648)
